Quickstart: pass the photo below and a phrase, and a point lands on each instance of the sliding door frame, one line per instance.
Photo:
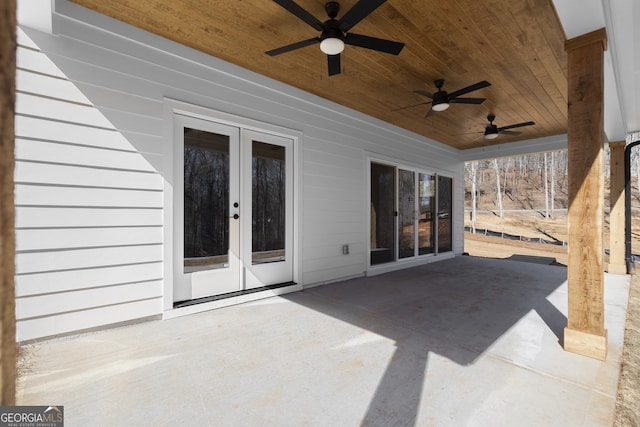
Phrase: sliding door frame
(398, 262)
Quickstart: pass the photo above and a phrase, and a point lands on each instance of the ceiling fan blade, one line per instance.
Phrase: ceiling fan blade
(467, 100)
(519, 125)
(293, 46)
(430, 113)
(357, 13)
(334, 64)
(298, 11)
(411, 106)
(508, 132)
(468, 89)
(424, 93)
(374, 43)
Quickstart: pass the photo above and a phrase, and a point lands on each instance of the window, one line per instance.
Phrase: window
(444, 214)
(206, 201)
(411, 212)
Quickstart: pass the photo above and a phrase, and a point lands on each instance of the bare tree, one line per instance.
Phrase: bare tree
(553, 181)
(474, 201)
(546, 187)
(498, 189)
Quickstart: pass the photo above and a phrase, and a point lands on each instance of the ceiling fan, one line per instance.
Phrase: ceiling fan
(335, 32)
(492, 131)
(441, 99)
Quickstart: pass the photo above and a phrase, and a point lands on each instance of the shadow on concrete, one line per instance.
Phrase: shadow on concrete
(456, 308)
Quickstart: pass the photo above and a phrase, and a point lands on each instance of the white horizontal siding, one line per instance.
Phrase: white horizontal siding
(336, 238)
(64, 302)
(52, 216)
(69, 280)
(47, 130)
(46, 195)
(54, 109)
(45, 151)
(49, 86)
(31, 59)
(72, 238)
(61, 174)
(114, 99)
(88, 206)
(60, 260)
(328, 275)
(55, 324)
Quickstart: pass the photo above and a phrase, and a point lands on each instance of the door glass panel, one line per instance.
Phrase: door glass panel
(268, 203)
(426, 222)
(406, 216)
(444, 214)
(382, 213)
(206, 200)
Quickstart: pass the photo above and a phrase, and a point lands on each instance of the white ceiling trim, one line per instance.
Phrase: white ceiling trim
(37, 16)
(518, 148)
(622, 17)
(579, 17)
(622, 62)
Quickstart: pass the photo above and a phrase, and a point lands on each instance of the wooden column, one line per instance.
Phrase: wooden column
(585, 333)
(617, 263)
(7, 215)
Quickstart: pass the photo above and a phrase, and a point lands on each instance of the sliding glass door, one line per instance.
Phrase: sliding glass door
(383, 184)
(445, 243)
(411, 213)
(406, 213)
(427, 213)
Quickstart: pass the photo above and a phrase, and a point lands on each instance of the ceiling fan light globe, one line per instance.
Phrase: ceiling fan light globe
(441, 106)
(332, 46)
(490, 135)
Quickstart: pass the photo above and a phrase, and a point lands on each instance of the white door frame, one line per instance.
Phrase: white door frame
(172, 107)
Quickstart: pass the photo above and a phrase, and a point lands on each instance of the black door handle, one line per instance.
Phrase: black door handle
(236, 216)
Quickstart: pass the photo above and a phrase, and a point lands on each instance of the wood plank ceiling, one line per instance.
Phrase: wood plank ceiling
(516, 45)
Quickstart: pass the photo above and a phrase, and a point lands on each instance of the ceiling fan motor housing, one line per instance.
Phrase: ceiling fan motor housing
(331, 30)
(439, 97)
(491, 129)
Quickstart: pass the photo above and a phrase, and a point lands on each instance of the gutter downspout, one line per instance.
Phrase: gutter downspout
(628, 256)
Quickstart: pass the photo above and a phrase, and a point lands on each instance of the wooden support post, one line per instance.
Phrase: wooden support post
(617, 264)
(585, 333)
(7, 215)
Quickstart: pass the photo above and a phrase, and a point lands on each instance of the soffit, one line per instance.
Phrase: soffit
(516, 45)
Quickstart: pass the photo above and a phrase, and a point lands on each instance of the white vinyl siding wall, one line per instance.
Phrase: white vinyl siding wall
(88, 210)
(91, 168)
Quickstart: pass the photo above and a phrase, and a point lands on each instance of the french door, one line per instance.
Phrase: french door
(233, 205)
(267, 199)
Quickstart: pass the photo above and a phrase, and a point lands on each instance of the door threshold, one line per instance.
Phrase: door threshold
(187, 303)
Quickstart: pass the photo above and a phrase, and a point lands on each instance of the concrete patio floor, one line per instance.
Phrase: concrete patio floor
(462, 342)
